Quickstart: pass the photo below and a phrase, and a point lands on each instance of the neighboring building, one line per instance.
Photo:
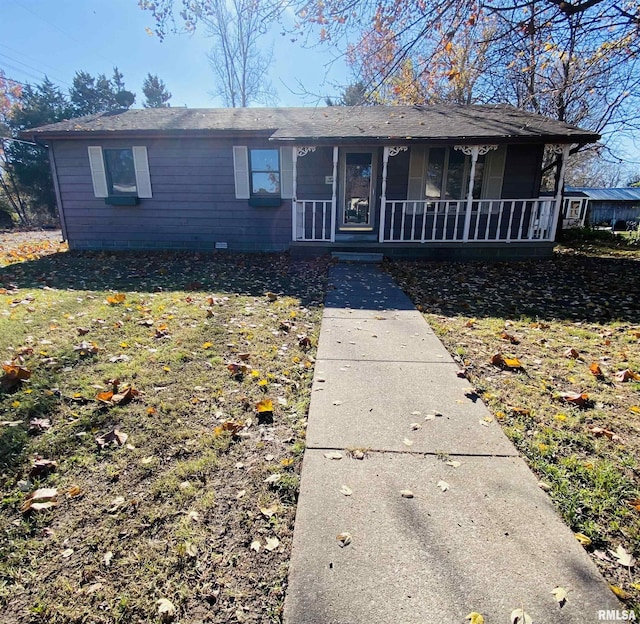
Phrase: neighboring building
(439, 181)
(614, 207)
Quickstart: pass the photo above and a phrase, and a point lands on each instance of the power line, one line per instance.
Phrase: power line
(30, 58)
(33, 68)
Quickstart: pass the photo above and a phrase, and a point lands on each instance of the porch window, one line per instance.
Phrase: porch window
(264, 172)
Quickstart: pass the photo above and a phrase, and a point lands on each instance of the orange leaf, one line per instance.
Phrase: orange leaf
(635, 503)
(105, 397)
(596, 370)
(115, 299)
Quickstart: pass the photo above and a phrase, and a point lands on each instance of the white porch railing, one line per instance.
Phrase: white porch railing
(506, 220)
(312, 220)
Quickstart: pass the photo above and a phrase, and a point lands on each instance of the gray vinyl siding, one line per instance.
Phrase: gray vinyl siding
(193, 204)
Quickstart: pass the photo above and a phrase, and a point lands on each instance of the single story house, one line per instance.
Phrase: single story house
(614, 207)
(439, 181)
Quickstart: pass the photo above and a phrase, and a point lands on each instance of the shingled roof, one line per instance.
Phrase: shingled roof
(333, 124)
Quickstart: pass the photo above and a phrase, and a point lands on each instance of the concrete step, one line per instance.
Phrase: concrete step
(357, 256)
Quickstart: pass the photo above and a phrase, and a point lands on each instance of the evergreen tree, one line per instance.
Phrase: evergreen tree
(155, 93)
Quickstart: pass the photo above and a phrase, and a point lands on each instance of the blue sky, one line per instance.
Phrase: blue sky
(59, 37)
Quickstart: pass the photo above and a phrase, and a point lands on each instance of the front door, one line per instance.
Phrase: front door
(357, 190)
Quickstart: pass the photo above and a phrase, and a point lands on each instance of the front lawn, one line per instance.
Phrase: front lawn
(153, 412)
(553, 348)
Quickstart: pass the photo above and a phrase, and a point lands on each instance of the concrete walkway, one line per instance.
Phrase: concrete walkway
(490, 543)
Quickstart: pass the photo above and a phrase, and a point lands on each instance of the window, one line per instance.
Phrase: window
(264, 176)
(120, 174)
(264, 172)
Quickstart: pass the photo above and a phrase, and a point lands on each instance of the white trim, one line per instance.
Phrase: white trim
(334, 193)
(141, 167)
(98, 173)
(241, 171)
(287, 187)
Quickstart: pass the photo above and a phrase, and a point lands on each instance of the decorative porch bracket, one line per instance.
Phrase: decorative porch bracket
(474, 151)
(563, 150)
(298, 152)
(388, 151)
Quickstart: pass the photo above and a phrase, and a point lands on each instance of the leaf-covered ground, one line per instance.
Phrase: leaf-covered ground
(23, 246)
(553, 348)
(153, 412)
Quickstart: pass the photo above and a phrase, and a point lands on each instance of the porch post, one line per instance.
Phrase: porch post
(557, 213)
(294, 201)
(383, 195)
(334, 188)
(474, 151)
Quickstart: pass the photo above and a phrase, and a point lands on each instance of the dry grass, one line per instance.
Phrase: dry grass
(181, 509)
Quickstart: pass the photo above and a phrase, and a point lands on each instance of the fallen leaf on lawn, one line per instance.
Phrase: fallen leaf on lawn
(600, 432)
(274, 478)
(509, 337)
(304, 342)
(583, 539)
(453, 463)
(272, 543)
(519, 616)
(116, 503)
(66, 553)
(86, 348)
(74, 492)
(194, 516)
(191, 549)
(333, 455)
(255, 545)
(624, 558)
(115, 437)
(42, 498)
(237, 369)
(13, 376)
(42, 468)
(38, 425)
(580, 399)
(106, 559)
(635, 503)
(344, 539)
(618, 591)
(443, 485)
(266, 405)
(596, 371)
(166, 609)
(571, 353)
(270, 511)
(82, 331)
(231, 426)
(271, 296)
(499, 360)
(116, 299)
(627, 375)
(560, 594)
(475, 618)
(124, 396)
(347, 491)
(470, 323)
(207, 345)
(635, 409)
(406, 493)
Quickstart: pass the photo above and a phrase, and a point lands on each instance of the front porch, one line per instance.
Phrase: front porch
(408, 205)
